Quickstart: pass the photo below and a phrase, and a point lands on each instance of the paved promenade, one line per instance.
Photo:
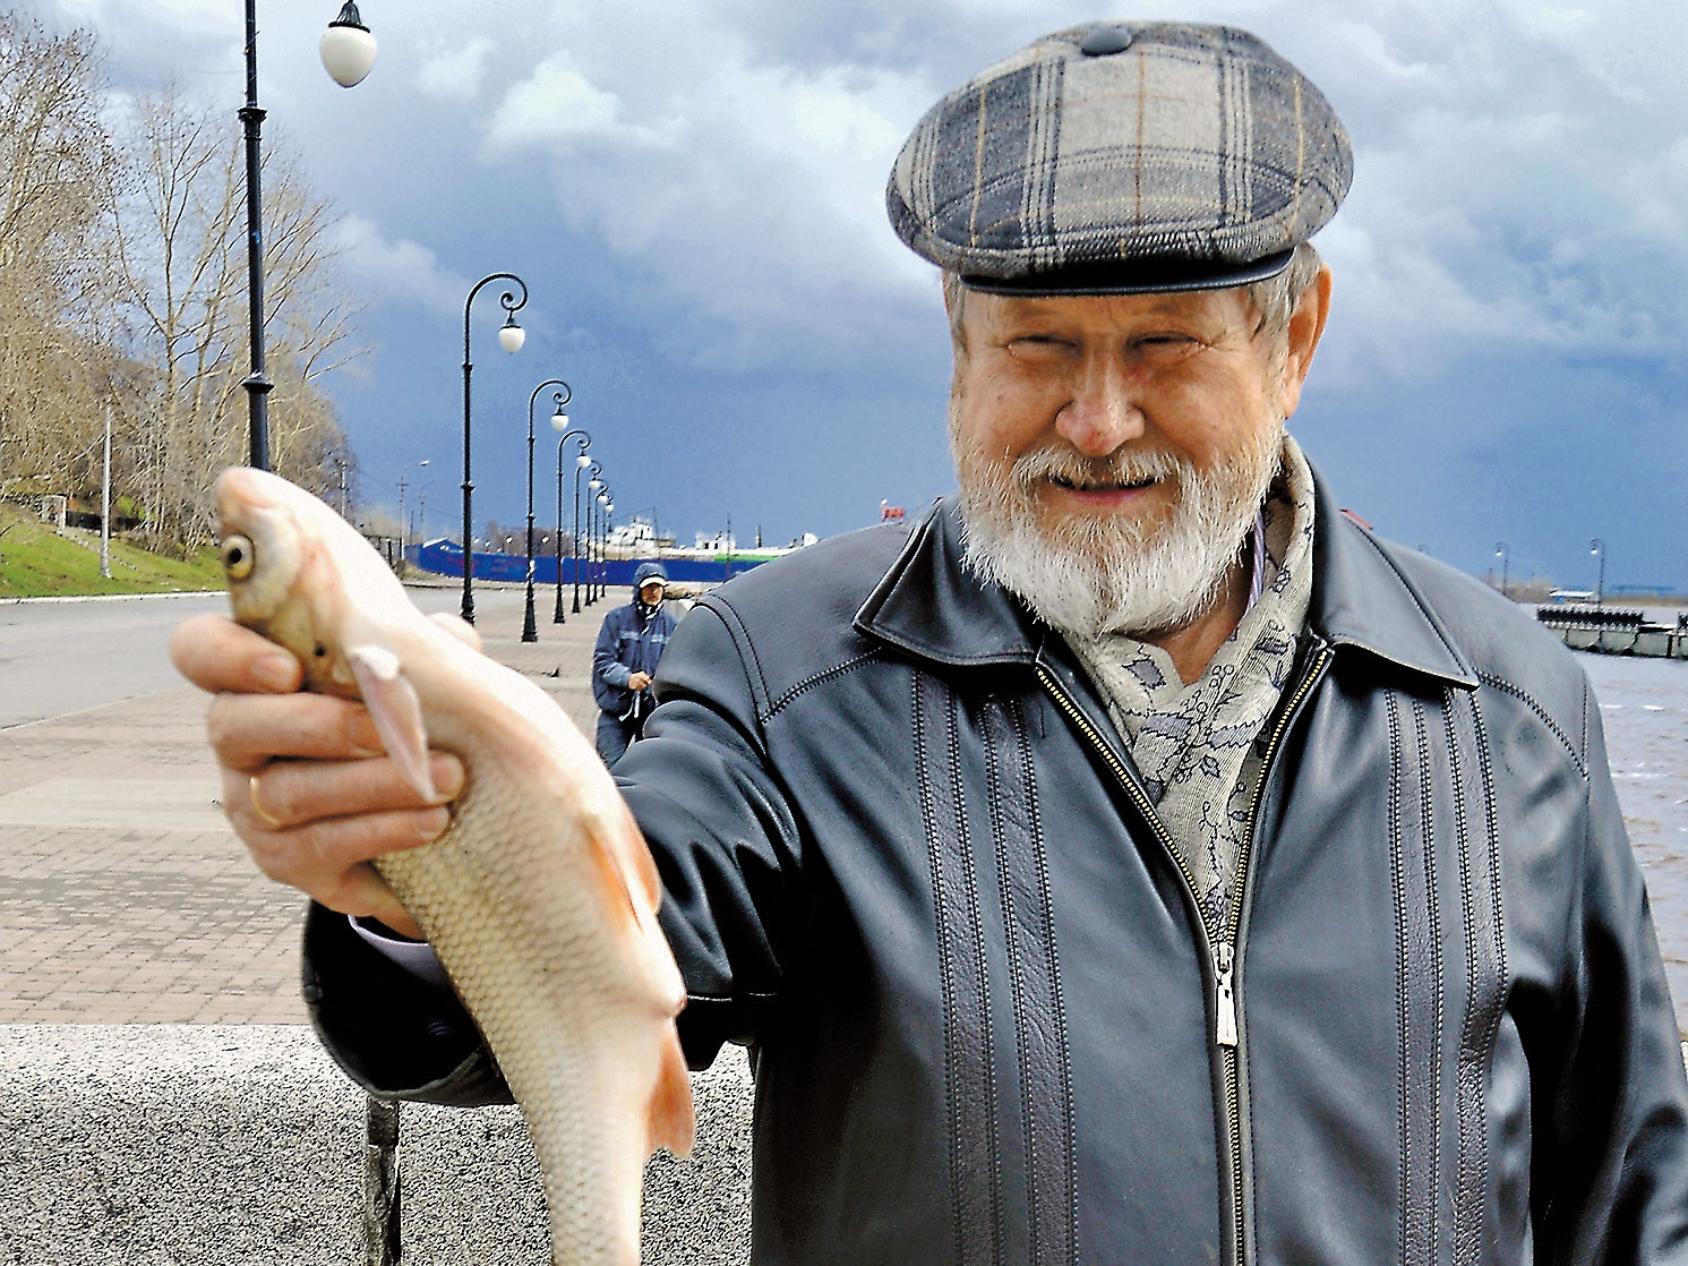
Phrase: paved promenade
(125, 898)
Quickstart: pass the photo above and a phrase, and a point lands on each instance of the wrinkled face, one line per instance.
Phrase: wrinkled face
(1113, 450)
(651, 593)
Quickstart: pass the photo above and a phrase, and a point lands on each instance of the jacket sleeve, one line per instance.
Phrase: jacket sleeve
(725, 835)
(1615, 1126)
(605, 665)
(397, 1034)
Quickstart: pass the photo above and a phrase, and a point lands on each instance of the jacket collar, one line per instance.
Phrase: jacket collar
(930, 606)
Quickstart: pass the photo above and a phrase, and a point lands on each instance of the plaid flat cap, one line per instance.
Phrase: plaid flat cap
(1123, 157)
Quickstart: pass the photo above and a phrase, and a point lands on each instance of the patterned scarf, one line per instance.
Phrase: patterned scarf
(1198, 747)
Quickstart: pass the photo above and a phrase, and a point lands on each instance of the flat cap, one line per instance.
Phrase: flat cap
(1123, 157)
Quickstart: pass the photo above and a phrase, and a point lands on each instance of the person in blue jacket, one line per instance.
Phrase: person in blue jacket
(630, 643)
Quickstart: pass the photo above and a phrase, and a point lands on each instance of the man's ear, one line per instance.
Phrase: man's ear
(1306, 328)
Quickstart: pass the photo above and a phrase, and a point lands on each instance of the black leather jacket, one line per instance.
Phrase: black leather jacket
(907, 859)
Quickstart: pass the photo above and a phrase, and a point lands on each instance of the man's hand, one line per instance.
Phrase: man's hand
(638, 681)
(305, 782)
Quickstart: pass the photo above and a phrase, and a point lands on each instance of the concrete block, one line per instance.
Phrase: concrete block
(176, 1145)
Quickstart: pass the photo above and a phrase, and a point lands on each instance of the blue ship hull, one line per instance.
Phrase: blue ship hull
(446, 559)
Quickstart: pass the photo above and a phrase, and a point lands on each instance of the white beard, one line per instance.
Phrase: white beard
(1093, 574)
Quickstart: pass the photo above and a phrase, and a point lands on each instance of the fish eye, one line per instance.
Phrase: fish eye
(237, 557)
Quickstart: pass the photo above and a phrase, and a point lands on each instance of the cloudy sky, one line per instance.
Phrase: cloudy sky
(695, 194)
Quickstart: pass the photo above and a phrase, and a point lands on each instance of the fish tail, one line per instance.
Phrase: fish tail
(670, 1118)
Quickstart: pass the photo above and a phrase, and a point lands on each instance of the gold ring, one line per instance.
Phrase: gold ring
(257, 805)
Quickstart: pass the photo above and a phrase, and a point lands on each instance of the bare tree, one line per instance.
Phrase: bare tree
(179, 243)
(55, 164)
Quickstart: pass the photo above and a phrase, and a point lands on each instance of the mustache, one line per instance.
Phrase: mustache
(1125, 466)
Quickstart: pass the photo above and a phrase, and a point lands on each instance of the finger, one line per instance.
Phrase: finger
(215, 653)
(329, 860)
(459, 628)
(291, 793)
(364, 894)
(247, 731)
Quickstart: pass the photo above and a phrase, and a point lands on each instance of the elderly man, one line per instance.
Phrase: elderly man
(1133, 860)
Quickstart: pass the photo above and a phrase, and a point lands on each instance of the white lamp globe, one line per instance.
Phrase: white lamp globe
(583, 461)
(347, 48)
(595, 484)
(559, 421)
(511, 336)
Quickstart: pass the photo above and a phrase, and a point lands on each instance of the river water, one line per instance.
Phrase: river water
(1644, 707)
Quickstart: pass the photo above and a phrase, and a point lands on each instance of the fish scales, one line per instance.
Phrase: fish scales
(539, 898)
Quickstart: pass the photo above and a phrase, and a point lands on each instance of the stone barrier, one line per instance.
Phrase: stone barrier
(177, 1145)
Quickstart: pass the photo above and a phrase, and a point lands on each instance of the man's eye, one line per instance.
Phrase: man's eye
(1038, 345)
(1164, 348)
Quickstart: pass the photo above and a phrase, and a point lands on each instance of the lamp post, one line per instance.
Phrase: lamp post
(559, 421)
(582, 462)
(510, 337)
(404, 478)
(606, 500)
(347, 27)
(593, 486)
(584, 441)
(1501, 553)
(1597, 547)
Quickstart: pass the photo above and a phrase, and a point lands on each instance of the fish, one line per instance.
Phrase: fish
(541, 897)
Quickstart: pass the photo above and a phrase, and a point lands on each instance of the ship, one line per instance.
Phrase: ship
(715, 557)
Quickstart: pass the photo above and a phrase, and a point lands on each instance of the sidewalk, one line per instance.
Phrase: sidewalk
(125, 898)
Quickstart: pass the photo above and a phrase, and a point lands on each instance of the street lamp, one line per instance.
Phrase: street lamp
(257, 383)
(584, 441)
(1501, 553)
(606, 503)
(559, 420)
(404, 477)
(597, 573)
(510, 338)
(347, 48)
(593, 486)
(1597, 547)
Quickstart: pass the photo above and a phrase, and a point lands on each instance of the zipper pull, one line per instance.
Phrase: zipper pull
(1223, 962)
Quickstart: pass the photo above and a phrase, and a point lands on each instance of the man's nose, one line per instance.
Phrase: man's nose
(1104, 411)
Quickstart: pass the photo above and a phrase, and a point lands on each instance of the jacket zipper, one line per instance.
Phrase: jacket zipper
(1221, 953)
(1229, 1056)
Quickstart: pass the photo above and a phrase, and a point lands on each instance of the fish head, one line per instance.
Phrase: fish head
(292, 565)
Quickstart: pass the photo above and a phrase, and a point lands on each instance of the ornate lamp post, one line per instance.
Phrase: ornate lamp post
(606, 502)
(584, 441)
(593, 486)
(1500, 553)
(336, 57)
(582, 462)
(559, 420)
(510, 337)
(1597, 547)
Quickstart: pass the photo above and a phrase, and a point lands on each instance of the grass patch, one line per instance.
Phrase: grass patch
(37, 561)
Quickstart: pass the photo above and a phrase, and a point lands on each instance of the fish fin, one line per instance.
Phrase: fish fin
(397, 713)
(671, 1122)
(633, 889)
